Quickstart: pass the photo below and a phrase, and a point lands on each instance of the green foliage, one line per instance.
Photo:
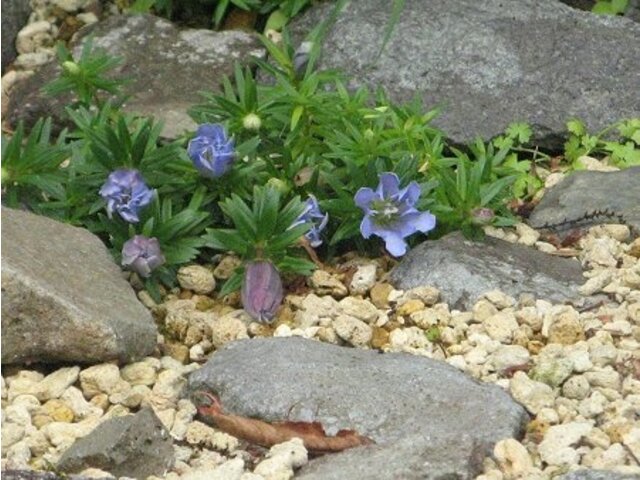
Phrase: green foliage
(624, 152)
(471, 184)
(303, 133)
(86, 76)
(610, 7)
(262, 231)
(31, 166)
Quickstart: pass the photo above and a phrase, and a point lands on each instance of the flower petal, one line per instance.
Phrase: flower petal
(394, 243)
(389, 185)
(424, 222)
(364, 197)
(211, 130)
(367, 227)
(410, 194)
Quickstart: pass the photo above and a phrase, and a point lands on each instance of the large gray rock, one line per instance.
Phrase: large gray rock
(167, 68)
(428, 420)
(463, 270)
(14, 16)
(491, 63)
(63, 297)
(133, 446)
(616, 195)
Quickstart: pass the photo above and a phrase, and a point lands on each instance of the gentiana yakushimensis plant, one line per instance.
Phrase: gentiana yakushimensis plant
(281, 173)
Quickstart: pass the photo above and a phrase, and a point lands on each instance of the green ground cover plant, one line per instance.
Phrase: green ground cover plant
(283, 173)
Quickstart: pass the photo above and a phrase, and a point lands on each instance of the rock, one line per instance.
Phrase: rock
(565, 328)
(133, 446)
(363, 279)
(380, 292)
(104, 378)
(153, 51)
(358, 308)
(324, 283)
(14, 15)
(508, 356)
(513, 458)
(282, 459)
(227, 328)
(139, 373)
(556, 447)
(353, 331)
(552, 367)
(533, 395)
(584, 192)
(501, 326)
(576, 387)
(475, 60)
(197, 433)
(385, 397)
(54, 384)
(92, 315)
(34, 36)
(197, 278)
(464, 270)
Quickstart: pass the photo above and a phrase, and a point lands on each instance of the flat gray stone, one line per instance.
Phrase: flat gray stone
(133, 446)
(585, 192)
(63, 297)
(463, 270)
(597, 475)
(167, 68)
(490, 63)
(428, 419)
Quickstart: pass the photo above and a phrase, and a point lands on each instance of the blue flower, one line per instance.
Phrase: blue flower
(211, 150)
(318, 220)
(390, 213)
(142, 255)
(126, 193)
(261, 292)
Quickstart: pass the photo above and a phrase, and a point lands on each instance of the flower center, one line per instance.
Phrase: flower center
(384, 211)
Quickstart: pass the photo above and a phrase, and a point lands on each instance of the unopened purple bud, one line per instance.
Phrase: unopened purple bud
(482, 216)
(142, 255)
(261, 290)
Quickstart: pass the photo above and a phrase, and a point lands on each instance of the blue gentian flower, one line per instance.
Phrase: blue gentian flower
(312, 214)
(261, 292)
(211, 150)
(142, 255)
(390, 213)
(126, 193)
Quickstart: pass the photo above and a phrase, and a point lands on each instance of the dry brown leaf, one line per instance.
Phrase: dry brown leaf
(267, 434)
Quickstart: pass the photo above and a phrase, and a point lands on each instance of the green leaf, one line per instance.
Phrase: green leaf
(226, 240)
(233, 283)
(576, 127)
(295, 116)
(296, 265)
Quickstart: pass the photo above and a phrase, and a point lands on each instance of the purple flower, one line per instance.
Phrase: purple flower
(211, 150)
(390, 213)
(318, 220)
(126, 193)
(142, 255)
(261, 292)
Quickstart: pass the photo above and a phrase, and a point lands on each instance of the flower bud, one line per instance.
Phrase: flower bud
(368, 134)
(71, 67)
(261, 292)
(142, 255)
(5, 175)
(278, 184)
(251, 121)
(482, 216)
